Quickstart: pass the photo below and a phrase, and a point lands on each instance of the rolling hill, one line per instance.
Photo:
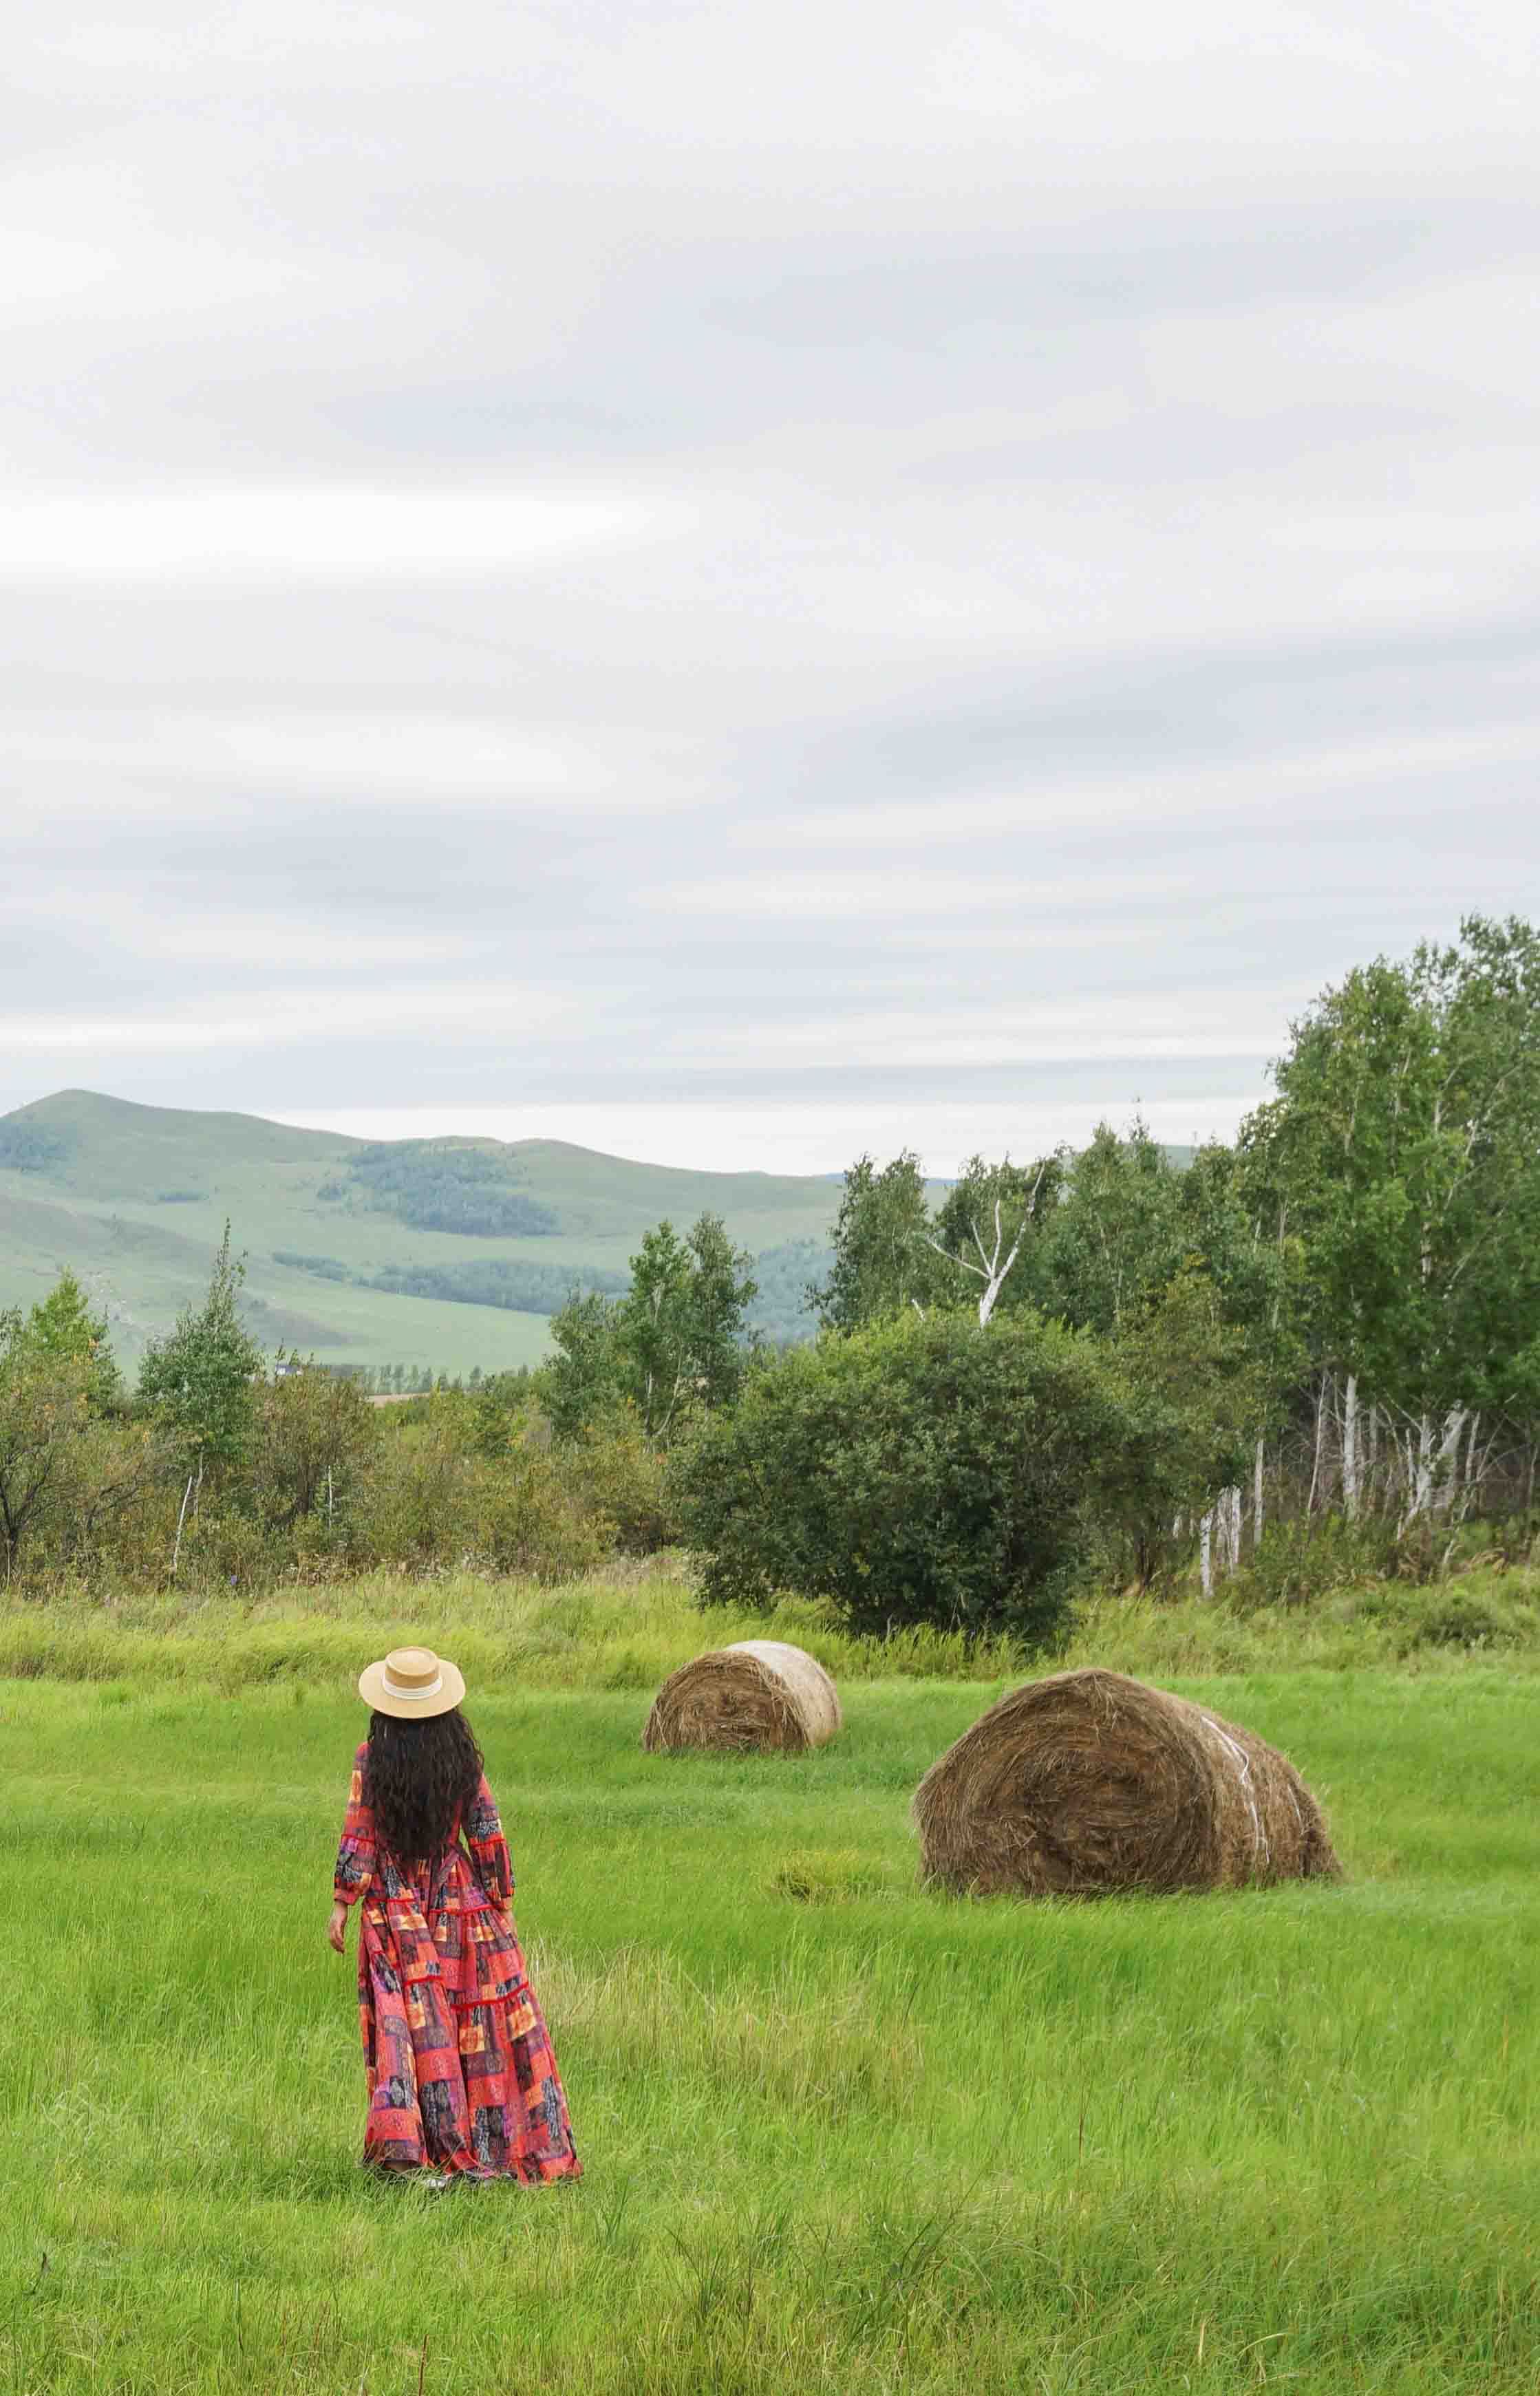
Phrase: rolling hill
(445, 1253)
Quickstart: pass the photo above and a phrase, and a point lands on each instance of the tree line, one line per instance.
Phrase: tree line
(1326, 1330)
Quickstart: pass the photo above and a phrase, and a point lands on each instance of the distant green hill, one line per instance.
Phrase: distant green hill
(442, 1253)
(448, 1253)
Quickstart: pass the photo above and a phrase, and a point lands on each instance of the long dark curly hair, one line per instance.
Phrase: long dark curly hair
(419, 1778)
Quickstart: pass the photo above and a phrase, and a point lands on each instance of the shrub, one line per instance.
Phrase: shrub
(1309, 1555)
(917, 1472)
(628, 1480)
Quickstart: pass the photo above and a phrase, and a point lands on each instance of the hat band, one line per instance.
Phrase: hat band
(394, 1688)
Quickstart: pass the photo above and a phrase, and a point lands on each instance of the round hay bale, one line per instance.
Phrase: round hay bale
(761, 1694)
(1088, 1783)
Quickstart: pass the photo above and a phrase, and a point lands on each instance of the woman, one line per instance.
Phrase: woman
(462, 2079)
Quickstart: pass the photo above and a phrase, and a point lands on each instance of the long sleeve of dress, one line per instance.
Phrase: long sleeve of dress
(355, 1857)
(483, 1836)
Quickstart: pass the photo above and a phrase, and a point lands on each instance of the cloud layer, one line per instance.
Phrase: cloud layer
(753, 587)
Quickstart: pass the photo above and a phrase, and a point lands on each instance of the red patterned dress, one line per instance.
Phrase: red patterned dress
(461, 2074)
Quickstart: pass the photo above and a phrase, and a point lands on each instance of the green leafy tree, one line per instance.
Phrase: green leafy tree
(582, 1382)
(921, 1471)
(45, 1410)
(1194, 1390)
(200, 1381)
(1402, 1151)
(884, 1262)
(990, 1225)
(719, 1294)
(1116, 1238)
(501, 1408)
(677, 1342)
(63, 1325)
(653, 1329)
(313, 1437)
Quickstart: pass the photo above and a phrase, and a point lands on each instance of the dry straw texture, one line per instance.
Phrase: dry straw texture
(761, 1693)
(1088, 1783)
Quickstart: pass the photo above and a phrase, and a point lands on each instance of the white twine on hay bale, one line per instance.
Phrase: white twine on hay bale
(1088, 1783)
(758, 1696)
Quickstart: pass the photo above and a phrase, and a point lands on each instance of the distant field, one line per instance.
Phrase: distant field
(839, 2134)
(135, 1199)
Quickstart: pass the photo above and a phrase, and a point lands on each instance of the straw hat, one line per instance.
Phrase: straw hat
(412, 1683)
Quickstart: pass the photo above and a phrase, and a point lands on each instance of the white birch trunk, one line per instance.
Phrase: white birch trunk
(1475, 1469)
(1432, 1490)
(1374, 1451)
(1319, 1434)
(182, 1518)
(1256, 1497)
(1448, 1457)
(1350, 1449)
(1206, 1552)
(1226, 1524)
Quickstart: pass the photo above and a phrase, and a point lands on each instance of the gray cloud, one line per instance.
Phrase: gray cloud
(707, 575)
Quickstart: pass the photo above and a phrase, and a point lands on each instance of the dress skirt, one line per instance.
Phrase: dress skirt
(461, 2074)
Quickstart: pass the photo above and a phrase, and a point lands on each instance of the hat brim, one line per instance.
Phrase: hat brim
(451, 1689)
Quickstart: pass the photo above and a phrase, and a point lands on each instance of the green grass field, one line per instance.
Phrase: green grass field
(839, 2135)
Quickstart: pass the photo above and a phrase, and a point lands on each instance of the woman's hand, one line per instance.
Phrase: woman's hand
(336, 1928)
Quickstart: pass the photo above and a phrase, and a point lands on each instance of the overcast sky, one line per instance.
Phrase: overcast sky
(740, 583)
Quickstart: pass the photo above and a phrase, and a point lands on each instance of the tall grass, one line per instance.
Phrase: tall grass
(839, 2135)
(629, 1626)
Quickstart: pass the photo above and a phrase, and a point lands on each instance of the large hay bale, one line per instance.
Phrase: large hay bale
(1088, 1783)
(759, 1694)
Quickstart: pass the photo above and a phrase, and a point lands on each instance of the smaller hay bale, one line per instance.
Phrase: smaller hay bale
(1087, 1783)
(760, 1695)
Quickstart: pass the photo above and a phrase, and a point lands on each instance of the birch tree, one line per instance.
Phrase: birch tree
(1115, 1239)
(1405, 1146)
(884, 1264)
(991, 1216)
(200, 1381)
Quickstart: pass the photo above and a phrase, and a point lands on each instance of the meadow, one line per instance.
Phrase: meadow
(839, 2133)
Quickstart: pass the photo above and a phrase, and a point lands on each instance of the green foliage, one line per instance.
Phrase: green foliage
(718, 1290)
(323, 1268)
(922, 1470)
(63, 1327)
(433, 1504)
(626, 1480)
(994, 1217)
(1192, 1396)
(199, 1382)
(501, 1408)
(651, 1329)
(44, 1409)
(314, 1439)
(1116, 1238)
(29, 1147)
(1403, 1150)
(882, 1264)
(62, 1470)
(450, 1186)
(779, 1313)
(584, 1380)
(675, 1343)
(509, 1282)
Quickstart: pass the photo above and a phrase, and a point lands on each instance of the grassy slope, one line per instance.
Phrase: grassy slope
(856, 2142)
(104, 1207)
